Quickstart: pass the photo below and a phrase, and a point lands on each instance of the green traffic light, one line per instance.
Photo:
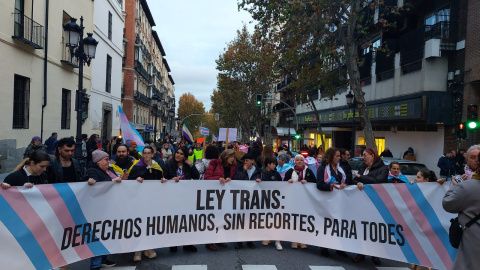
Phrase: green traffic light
(472, 125)
(297, 136)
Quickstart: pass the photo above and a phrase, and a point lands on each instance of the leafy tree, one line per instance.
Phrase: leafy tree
(318, 43)
(188, 105)
(245, 70)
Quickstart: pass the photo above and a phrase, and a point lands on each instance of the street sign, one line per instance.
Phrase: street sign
(148, 128)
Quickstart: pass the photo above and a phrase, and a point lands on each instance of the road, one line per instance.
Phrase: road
(260, 258)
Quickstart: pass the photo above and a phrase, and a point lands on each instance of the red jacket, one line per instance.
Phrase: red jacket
(215, 170)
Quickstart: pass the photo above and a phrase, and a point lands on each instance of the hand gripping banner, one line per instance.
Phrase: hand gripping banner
(52, 225)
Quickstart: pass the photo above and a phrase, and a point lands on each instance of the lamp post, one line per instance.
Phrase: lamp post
(289, 120)
(171, 116)
(352, 103)
(84, 50)
(155, 102)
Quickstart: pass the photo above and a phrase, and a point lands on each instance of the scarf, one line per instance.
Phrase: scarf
(399, 177)
(476, 175)
(298, 173)
(327, 175)
(469, 172)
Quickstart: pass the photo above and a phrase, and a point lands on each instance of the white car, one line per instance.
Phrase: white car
(407, 167)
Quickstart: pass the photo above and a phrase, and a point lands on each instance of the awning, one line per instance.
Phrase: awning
(283, 131)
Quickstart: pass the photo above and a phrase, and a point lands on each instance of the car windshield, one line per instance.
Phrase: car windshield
(411, 168)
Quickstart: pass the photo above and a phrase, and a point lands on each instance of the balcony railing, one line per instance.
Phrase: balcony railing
(140, 69)
(142, 98)
(441, 30)
(28, 31)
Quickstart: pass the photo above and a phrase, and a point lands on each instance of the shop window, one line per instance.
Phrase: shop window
(379, 142)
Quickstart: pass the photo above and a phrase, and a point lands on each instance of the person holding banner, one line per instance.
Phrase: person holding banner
(394, 173)
(211, 153)
(283, 165)
(181, 168)
(300, 173)
(330, 175)
(148, 169)
(30, 172)
(373, 171)
(101, 172)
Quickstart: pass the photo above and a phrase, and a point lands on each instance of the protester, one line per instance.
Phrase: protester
(462, 198)
(345, 164)
(311, 161)
(121, 162)
(270, 174)
(65, 169)
(35, 145)
(91, 146)
(198, 152)
(373, 171)
(394, 173)
(118, 142)
(146, 169)
(472, 162)
(99, 172)
(387, 153)
(320, 158)
(446, 165)
(181, 168)
(211, 153)
(300, 173)
(266, 153)
(30, 172)
(158, 157)
(256, 151)
(167, 153)
(409, 154)
(132, 149)
(51, 143)
(331, 175)
(283, 165)
(425, 175)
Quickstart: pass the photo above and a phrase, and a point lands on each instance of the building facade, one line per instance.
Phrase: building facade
(145, 73)
(39, 77)
(107, 69)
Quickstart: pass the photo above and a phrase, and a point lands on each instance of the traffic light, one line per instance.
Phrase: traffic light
(461, 132)
(472, 116)
(297, 136)
(259, 99)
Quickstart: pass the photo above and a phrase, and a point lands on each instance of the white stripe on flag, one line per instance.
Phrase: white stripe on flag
(326, 268)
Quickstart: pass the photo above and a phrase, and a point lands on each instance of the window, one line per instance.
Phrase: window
(108, 84)
(66, 108)
(109, 25)
(21, 102)
(18, 17)
(379, 142)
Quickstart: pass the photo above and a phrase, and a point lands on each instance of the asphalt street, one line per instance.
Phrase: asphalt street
(260, 258)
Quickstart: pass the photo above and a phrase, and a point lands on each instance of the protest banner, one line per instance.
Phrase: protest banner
(52, 225)
(227, 134)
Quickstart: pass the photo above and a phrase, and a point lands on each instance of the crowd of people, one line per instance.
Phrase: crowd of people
(225, 162)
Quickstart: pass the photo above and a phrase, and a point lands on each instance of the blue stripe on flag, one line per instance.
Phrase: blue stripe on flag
(432, 218)
(24, 236)
(388, 218)
(73, 206)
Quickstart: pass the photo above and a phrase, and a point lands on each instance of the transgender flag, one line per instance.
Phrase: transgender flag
(214, 138)
(129, 132)
(186, 133)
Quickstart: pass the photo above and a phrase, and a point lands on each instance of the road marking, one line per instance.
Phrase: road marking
(189, 267)
(326, 268)
(259, 267)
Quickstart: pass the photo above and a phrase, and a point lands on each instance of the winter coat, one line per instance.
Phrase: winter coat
(167, 154)
(321, 185)
(270, 175)
(32, 148)
(307, 175)
(188, 172)
(91, 146)
(51, 143)
(215, 170)
(464, 200)
(446, 165)
(242, 174)
(141, 169)
(20, 177)
(55, 172)
(378, 174)
(202, 165)
(98, 174)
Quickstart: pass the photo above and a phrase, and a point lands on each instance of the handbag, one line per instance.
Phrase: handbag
(455, 232)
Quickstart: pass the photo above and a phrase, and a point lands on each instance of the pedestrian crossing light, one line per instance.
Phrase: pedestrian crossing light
(259, 99)
(461, 132)
(472, 116)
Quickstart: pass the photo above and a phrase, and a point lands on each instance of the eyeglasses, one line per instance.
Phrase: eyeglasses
(366, 154)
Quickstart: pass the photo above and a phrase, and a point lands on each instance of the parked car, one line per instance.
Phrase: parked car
(407, 167)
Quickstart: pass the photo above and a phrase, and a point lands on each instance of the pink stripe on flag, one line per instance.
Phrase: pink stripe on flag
(411, 238)
(63, 214)
(35, 224)
(426, 227)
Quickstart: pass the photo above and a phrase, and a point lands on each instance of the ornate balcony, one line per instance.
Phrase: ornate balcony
(28, 31)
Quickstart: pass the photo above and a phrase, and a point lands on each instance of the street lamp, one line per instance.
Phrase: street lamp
(289, 119)
(171, 117)
(352, 103)
(84, 50)
(155, 103)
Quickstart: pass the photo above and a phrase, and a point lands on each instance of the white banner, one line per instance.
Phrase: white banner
(52, 225)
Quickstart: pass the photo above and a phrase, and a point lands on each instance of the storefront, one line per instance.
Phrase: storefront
(284, 136)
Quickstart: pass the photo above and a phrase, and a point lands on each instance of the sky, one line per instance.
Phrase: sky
(194, 33)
